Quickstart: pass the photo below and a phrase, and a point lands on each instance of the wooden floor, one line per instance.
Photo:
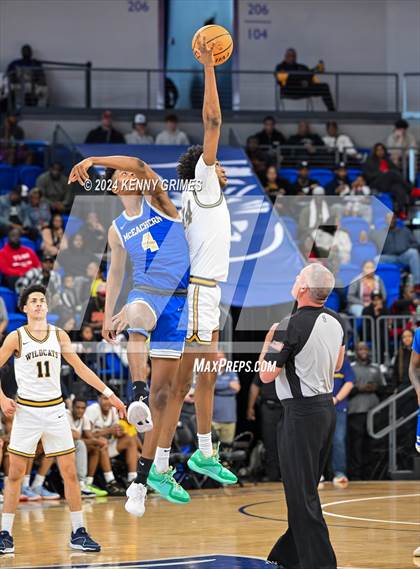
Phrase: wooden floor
(372, 525)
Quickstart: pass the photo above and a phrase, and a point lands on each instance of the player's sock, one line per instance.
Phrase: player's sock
(76, 520)
(7, 522)
(162, 459)
(205, 444)
(27, 480)
(143, 469)
(109, 476)
(38, 481)
(131, 476)
(89, 480)
(140, 390)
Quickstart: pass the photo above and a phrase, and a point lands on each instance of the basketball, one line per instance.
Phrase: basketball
(223, 42)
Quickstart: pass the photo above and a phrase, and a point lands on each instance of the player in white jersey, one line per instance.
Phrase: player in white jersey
(207, 227)
(39, 411)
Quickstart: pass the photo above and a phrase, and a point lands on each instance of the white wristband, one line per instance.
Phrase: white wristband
(107, 392)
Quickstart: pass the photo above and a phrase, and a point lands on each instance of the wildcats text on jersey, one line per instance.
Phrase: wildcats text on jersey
(42, 353)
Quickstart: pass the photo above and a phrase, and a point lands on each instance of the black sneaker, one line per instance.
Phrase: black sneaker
(6, 543)
(80, 539)
(115, 489)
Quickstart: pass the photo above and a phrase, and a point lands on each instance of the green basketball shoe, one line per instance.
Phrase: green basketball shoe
(211, 466)
(165, 484)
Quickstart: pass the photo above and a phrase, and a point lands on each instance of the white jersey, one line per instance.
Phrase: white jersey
(38, 366)
(207, 225)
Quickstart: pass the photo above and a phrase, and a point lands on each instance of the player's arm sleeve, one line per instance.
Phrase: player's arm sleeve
(208, 191)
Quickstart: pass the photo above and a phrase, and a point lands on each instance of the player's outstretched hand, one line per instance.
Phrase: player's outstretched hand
(8, 406)
(119, 405)
(79, 173)
(204, 52)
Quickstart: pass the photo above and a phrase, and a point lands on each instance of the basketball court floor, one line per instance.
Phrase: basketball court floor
(373, 525)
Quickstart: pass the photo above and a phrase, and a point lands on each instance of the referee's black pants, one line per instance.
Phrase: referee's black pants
(305, 436)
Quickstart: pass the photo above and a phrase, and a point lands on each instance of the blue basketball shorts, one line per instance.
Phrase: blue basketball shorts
(167, 338)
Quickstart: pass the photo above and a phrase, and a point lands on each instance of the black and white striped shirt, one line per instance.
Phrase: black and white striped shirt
(311, 340)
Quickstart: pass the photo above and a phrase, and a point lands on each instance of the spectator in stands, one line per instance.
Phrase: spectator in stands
(55, 189)
(401, 247)
(76, 257)
(343, 385)
(16, 259)
(271, 414)
(360, 291)
(88, 447)
(340, 142)
(383, 175)
(297, 81)
(275, 185)
(399, 141)
(12, 211)
(363, 397)
(53, 239)
(38, 211)
(95, 311)
(304, 185)
(375, 310)
(257, 157)
(105, 423)
(45, 276)
(306, 142)
(69, 306)
(333, 242)
(400, 378)
(85, 345)
(94, 232)
(4, 320)
(11, 131)
(139, 133)
(28, 73)
(224, 411)
(312, 216)
(172, 134)
(105, 133)
(269, 136)
(408, 303)
(340, 185)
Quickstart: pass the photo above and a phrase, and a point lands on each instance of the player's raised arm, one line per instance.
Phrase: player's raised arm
(141, 170)
(114, 282)
(212, 116)
(86, 374)
(10, 346)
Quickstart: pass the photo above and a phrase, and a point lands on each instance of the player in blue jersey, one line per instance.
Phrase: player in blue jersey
(150, 233)
(414, 373)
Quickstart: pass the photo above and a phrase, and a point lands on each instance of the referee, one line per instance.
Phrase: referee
(308, 347)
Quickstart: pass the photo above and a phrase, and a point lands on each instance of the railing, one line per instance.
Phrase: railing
(411, 96)
(388, 337)
(81, 85)
(394, 423)
(358, 329)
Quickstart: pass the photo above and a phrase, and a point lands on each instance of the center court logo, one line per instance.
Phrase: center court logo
(227, 366)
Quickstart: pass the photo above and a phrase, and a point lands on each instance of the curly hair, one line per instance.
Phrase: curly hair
(188, 161)
(31, 289)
